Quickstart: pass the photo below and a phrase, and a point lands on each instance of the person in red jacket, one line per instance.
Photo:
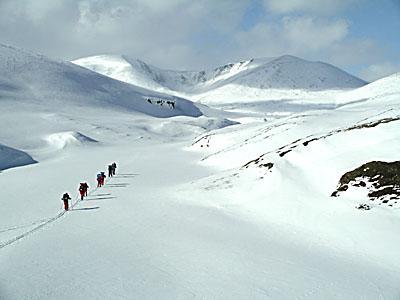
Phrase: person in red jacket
(103, 177)
(86, 187)
(66, 198)
(99, 179)
(82, 190)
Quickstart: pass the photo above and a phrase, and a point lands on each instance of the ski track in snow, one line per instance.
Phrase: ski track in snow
(44, 222)
(218, 211)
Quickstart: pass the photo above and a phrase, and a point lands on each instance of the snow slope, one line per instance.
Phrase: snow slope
(36, 79)
(252, 79)
(139, 73)
(201, 207)
(11, 158)
(386, 86)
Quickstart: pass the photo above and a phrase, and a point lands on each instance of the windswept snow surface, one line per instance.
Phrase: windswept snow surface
(221, 206)
(61, 140)
(139, 73)
(38, 80)
(285, 77)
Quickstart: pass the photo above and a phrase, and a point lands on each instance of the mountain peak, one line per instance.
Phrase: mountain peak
(286, 72)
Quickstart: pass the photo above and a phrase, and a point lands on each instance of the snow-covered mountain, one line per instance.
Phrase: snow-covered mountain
(139, 73)
(35, 79)
(282, 73)
(287, 200)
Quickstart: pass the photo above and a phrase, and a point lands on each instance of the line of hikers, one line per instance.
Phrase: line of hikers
(83, 186)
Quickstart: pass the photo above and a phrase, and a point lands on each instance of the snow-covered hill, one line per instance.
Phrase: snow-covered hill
(200, 207)
(254, 79)
(386, 86)
(289, 72)
(42, 92)
(36, 79)
(139, 73)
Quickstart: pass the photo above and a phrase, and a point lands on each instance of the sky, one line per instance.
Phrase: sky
(360, 36)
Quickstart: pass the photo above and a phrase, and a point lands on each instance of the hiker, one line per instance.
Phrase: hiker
(65, 198)
(82, 190)
(86, 187)
(99, 179)
(114, 166)
(110, 170)
(103, 177)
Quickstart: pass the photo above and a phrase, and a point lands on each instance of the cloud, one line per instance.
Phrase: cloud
(307, 6)
(312, 38)
(162, 32)
(376, 71)
(303, 36)
(186, 34)
(312, 34)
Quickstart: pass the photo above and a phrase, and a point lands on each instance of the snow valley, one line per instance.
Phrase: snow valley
(273, 178)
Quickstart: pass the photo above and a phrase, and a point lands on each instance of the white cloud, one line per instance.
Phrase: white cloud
(309, 38)
(183, 34)
(303, 36)
(311, 34)
(149, 29)
(376, 71)
(307, 6)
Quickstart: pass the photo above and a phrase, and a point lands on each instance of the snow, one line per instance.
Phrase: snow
(61, 140)
(139, 73)
(383, 87)
(35, 79)
(11, 158)
(224, 202)
(284, 77)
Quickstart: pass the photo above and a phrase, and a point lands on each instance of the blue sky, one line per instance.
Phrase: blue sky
(360, 36)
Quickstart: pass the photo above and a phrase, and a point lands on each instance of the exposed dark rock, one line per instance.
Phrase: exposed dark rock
(309, 141)
(364, 207)
(373, 123)
(361, 183)
(267, 165)
(259, 162)
(282, 154)
(381, 178)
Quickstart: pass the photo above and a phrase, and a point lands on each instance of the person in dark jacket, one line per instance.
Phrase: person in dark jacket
(114, 165)
(103, 177)
(66, 198)
(110, 170)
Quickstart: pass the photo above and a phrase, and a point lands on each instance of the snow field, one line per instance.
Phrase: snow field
(224, 202)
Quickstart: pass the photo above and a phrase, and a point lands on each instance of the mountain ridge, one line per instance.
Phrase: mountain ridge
(284, 72)
(35, 78)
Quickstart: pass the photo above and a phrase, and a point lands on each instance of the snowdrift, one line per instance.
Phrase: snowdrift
(11, 158)
(62, 140)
